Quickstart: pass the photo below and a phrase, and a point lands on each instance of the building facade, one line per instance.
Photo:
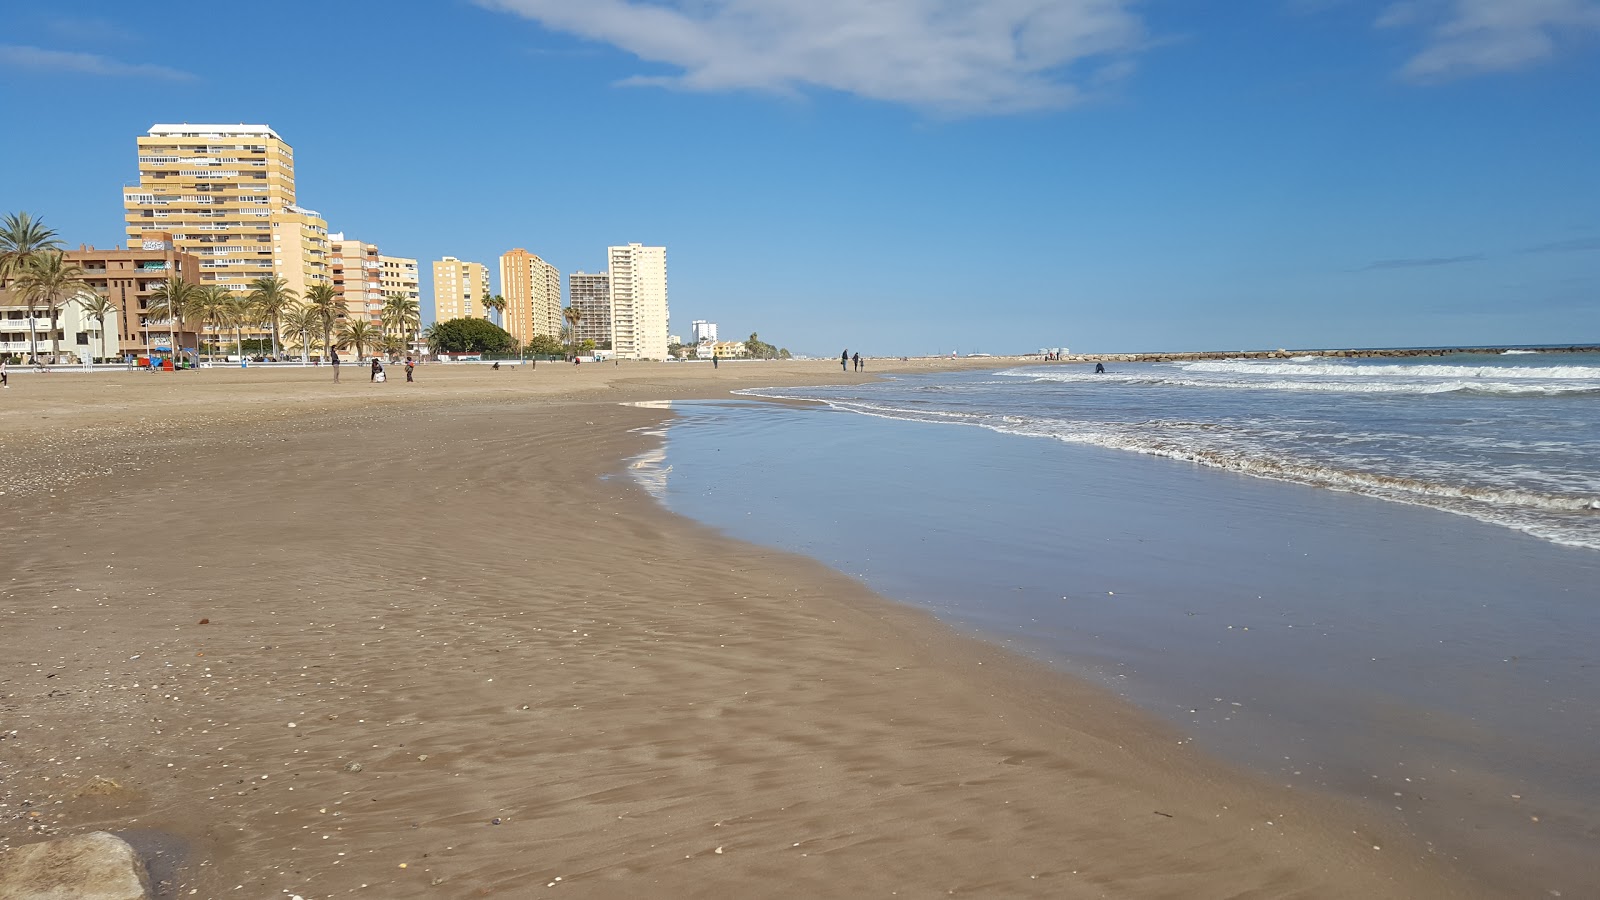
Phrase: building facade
(639, 309)
(299, 248)
(127, 278)
(457, 288)
(532, 291)
(398, 275)
(590, 294)
(225, 194)
(356, 271)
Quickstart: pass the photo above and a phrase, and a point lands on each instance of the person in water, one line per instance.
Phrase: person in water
(1099, 368)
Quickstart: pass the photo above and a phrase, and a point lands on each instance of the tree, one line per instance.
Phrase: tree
(271, 296)
(573, 315)
(329, 310)
(172, 302)
(495, 303)
(99, 307)
(50, 280)
(546, 345)
(402, 315)
(358, 333)
(22, 236)
(241, 312)
(302, 319)
(760, 349)
(214, 308)
(469, 335)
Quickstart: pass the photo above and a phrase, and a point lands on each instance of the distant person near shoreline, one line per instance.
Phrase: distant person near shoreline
(411, 366)
(857, 359)
(844, 360)
(333, 360)
(1099, 368)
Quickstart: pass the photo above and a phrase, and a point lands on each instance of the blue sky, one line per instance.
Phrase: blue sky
(902, 176)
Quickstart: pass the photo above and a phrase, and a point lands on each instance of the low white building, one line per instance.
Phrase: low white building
(78, 333)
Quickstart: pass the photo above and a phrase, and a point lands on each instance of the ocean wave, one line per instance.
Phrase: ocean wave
(1564, 518)
(1362, 386)
(1347, 370)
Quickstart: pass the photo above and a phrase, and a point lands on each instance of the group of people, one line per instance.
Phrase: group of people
(378, 373)
(845, 359)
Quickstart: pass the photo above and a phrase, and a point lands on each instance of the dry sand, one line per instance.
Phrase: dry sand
(310, 639)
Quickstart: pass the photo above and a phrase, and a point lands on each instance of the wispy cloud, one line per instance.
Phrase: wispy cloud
(958, 57)
(1573, 246)
(39, 59)
(1470, 37)
(1421, 262)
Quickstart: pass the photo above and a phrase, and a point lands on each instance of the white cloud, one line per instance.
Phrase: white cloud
(23, 57)
(1468, 37)
(950, 56)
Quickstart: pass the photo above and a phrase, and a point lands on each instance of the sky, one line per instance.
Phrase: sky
(900, 177)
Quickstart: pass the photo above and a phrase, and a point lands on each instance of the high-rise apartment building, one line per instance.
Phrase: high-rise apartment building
(639, 311)
(357, 273)
(225, 193)
(457, 288)
(590, 295)
(704, 331)
(398, 275)
(532, 291)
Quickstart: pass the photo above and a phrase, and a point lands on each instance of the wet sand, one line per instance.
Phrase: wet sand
(431, 607)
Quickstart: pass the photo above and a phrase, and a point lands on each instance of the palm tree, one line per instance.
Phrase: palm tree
(242, 311)
(21, 237)
(172, 302)
(329, 310)
(302, 319)
(99, 307)
(401, 313)
(271, 297)
(573, 315)
(51, 281)
(214, 308)
(358, 333)
(496, 303)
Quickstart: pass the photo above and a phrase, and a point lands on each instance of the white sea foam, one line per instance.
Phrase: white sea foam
(1354, 370)
(1349, 382)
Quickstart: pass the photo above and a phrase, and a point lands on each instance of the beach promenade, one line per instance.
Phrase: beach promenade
(424, 640)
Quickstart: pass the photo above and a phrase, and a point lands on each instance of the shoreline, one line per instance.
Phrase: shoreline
(524, 635)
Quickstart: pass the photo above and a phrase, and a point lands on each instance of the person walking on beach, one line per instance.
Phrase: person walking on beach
(714, 361)
(410, 365)
(5, 380)
(858, 360)
(376, 368)
(844, 360)
(333, 359)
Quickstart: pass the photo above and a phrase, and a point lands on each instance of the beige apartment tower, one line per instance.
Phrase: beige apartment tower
(639, 311)
(398, 275)
(357, 273)
(532, 291)
(457, 288)
(225, 193)
(590, 295)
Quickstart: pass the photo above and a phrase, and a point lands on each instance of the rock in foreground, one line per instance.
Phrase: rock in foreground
(96, 866)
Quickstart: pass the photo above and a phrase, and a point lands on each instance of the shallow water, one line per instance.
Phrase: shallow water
(1508, 439)
(1440, 668)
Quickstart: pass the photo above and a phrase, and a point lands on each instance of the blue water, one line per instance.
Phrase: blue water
(1510, 439)
(1437, 657)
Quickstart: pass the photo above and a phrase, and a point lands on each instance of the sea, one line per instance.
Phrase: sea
(1373, 578)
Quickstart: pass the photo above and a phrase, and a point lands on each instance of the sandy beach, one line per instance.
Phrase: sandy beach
(424, 640)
